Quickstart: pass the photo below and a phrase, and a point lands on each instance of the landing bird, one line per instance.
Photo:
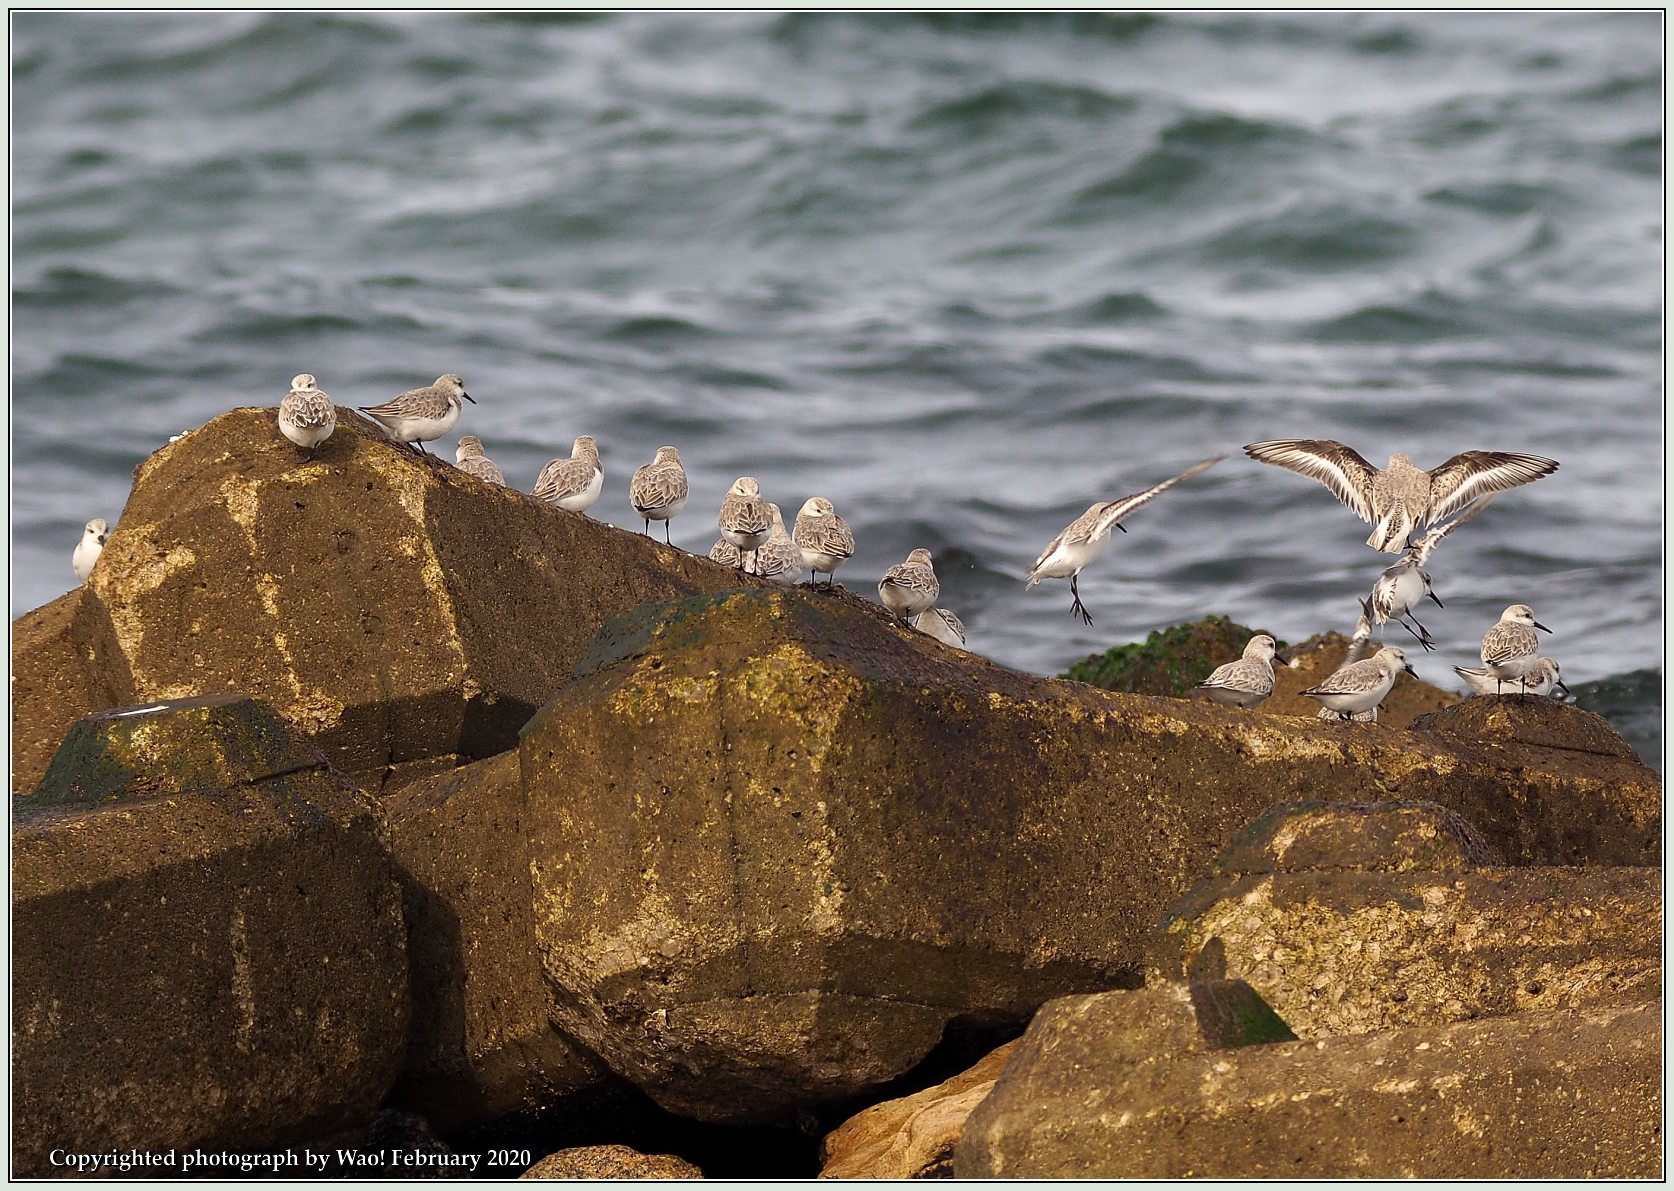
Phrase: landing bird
(1510, 648)
(1542, 678)
(1246, 682)
(1402, 585)
(658, 491)
(306, 416)
(1402, 497)
(471, 459)
(1085, 538)
(1361, 686)
(910, 587)
(824, 537)
(573, 483)
(92, 545)
(422, 415)
(745, 519)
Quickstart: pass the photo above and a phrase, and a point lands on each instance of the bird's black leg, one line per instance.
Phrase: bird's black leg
(668, 534)
(647, 530)
(1423, 634)
(1079, 609)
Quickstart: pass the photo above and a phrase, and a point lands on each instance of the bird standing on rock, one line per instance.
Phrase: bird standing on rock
(1362, 686)
(658, 491)
(471, 459)
(307, 416)
(422, 415)
(745, 519)
(1510, 648)
(824, 537)
(574, 483)
(1246, 682)
(92, 545)
(910, 587)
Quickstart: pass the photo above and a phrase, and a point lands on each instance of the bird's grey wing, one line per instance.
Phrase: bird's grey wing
(1422, 548)
(1345, 474)
(1471, 475)
(1113, 512)
(657, 489)
(401, 403)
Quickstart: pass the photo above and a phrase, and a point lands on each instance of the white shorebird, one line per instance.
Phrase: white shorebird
(1246, 682)
(824, 537)
(745, 519)
(1404, 583)
(1398, 499)
(941, 624)
(1510, 648)
(1542, 678)
(1085, 538)
(778, 557)
(92, 545)
(422, 415)
(1361, 686)
(658, 491)
(307, 416)
(573, 483)
(910, 587)
(471, 459)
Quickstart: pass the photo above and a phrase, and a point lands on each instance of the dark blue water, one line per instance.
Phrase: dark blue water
(961, 274)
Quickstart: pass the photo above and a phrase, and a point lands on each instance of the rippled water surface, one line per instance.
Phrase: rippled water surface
(961, 274)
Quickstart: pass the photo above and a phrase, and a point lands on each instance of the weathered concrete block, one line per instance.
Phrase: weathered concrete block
(365, 595)
(1543, 1095)
(56, 679)
(1355, 918)
(482, 1043)
(207, 944)
(778, 844)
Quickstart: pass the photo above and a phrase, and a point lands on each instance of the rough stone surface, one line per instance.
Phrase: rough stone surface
(207, 943)
(482, 1041)
(1521, 724)
(913, 1137)
(1362, 836)
(55, 681)
(610, 1162)
(812, 840)
(1540, 1095)
(365, 595)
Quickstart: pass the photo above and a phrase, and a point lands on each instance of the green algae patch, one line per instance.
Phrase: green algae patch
(1170, 661)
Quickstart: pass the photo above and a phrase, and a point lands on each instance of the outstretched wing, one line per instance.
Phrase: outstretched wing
(1339, 468)
(1113, 512)
(1422, 548)
(1471, 475)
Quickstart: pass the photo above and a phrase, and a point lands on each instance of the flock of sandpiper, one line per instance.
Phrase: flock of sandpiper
(1396, 501)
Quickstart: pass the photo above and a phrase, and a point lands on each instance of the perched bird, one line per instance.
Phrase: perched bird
(910, 587)
(573, 483)
(1510, 648)
(824, 537)
(778, 557)
(1403, 584)
(1246, 682)
(306, 416)
(745, 519)
(473, 460)
(725, 553)
(941, 624)
(1542, 678)
(1361, 686)
(658, 491)
(92, 545)
(1402, 497)
(422, 415)
(1085, 538)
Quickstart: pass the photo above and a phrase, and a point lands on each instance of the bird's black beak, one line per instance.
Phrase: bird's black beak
(467, 396)
(1121, 527)
(1541, 627)
(1559, 686)
(101, 539)
(1413, 672)
(1436, 598)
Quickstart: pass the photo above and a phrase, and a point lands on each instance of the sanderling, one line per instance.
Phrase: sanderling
(1085, 538)
(1247, 681)
(1362, 685)
(87, 550)
(745, 519)
(910, 587)
(824, 537)
(471, 459)
(573, 483)
(725, 553)
(306, 416)
(1542, 678)
(778, 557)
(941, 624)
(658, 491)
(1509, 648)
(1400, 498)
(1353, 717)
(422, 415)
(1402, 585)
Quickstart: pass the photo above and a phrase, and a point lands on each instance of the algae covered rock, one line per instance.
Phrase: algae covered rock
(207, 943)
(778, 845)
(1170, 661)
(400, 613)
